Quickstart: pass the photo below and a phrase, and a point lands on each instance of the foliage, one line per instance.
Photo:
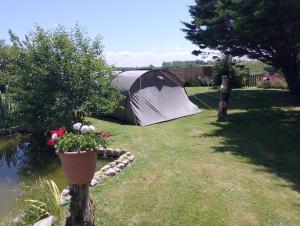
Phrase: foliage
(61, 77)
(7, 68)
(273, 81)
(226, 66)
(40, 200)
(80, 142)
(85, 139)
(46, 205)
(268, 31)
(5, 116)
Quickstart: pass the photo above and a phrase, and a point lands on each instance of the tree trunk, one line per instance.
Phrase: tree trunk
(292, 77)
(81, 207)
(222, 112)
(224, 98)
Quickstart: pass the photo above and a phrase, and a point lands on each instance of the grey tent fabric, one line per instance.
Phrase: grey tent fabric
(151, 97)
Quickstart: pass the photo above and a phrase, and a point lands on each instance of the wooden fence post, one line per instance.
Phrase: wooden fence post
(81, 208)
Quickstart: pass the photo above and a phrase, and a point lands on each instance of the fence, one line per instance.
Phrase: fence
(203, 75)
(192, 74)
(253, 79)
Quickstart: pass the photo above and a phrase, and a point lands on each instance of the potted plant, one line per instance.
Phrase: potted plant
(77, 151)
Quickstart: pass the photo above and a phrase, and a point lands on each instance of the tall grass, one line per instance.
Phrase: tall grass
(39, 200)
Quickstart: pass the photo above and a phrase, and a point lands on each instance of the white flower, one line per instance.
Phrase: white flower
(54, 136)
(77, 126)
(84, 129)
(222, 87)
(92, 128)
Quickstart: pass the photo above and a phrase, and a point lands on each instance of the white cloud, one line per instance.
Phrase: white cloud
(132, 59)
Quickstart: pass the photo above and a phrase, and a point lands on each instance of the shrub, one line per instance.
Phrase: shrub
(7, 68)
(236, 74)
(61, 78)
(3, 111)
(273, 81)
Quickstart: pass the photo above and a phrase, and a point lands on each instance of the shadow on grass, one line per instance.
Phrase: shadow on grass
(262, 130)
(248, 99)
(112, 120)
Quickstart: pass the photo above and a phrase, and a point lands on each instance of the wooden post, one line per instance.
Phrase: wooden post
(223, 103)
(81, 208)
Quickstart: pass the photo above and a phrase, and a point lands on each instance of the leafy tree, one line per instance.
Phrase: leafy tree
(227, 66)
(60, 78)
(7, 68)
(265, 30)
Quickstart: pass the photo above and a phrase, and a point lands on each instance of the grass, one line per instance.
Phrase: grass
(194, 171)
(255, 66)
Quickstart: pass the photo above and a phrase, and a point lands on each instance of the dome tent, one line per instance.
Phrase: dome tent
(151, 97)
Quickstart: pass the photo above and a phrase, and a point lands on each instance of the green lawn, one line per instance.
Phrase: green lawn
(194, 171)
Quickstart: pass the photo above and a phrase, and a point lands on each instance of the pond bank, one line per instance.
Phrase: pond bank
(23, 161)
(13, 131)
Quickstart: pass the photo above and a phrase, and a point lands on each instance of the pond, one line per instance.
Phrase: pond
(22, 161)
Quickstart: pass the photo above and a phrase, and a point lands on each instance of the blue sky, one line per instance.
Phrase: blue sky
(135, 32)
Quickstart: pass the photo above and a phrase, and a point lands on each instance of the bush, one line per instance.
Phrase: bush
(6, 115)
(61, 78)
(273, 81)
(7, 68)
(237, 75)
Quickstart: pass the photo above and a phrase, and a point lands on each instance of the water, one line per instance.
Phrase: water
(22, 161)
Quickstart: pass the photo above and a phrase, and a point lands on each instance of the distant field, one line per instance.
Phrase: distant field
(255, 66)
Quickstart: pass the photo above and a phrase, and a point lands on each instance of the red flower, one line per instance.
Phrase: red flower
(104, 134)
(63, 129)
(51, 142)
(53, 132)
(60, 133)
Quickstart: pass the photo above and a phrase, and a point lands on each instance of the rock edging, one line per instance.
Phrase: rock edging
(125, 158)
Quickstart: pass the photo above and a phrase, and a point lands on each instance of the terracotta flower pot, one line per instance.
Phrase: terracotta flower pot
(79, 167)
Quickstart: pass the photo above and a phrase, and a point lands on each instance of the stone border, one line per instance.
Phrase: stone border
(125, 158)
